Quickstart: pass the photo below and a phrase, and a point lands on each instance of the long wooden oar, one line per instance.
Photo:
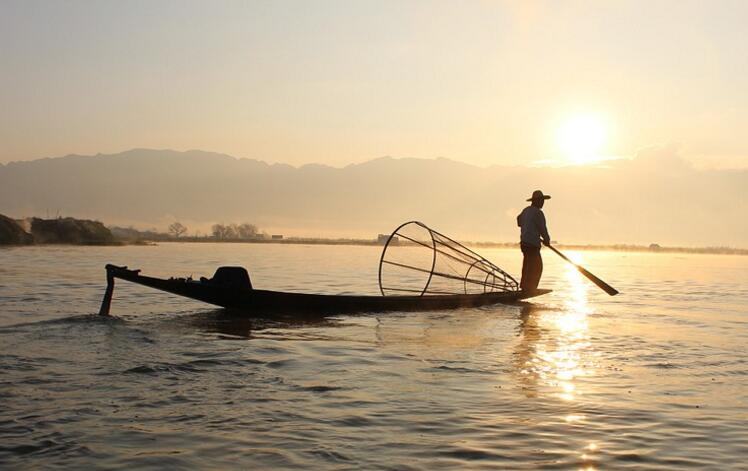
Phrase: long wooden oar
(603, 285)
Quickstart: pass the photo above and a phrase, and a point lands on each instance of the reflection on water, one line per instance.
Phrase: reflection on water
(236, 325)
(555, 351)
(555, 348)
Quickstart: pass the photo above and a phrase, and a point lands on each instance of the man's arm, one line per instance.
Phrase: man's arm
(543, 229)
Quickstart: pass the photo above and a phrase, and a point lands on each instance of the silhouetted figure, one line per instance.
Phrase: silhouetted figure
(532, 222)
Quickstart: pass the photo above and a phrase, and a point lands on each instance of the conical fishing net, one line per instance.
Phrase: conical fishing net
(417, 260)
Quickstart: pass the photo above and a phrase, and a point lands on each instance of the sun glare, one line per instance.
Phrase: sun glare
(582, 138)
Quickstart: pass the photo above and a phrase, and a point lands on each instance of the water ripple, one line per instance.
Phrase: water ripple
(651, 379)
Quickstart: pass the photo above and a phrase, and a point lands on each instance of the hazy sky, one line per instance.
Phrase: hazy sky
(337, 82)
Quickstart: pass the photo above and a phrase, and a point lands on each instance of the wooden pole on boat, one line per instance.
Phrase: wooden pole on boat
(107, 301)
(603, 285)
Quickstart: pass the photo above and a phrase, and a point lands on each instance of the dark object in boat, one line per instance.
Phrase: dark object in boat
(230, 277)
(226, 293)
(433, 270)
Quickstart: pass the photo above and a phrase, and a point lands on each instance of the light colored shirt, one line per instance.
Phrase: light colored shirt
(532, 222)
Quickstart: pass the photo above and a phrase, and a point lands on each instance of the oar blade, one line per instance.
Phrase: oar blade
(600, 283)
(603, 285)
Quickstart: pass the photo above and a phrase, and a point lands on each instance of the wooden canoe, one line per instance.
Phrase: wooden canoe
(263, 302)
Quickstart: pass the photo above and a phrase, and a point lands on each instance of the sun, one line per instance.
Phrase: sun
(581, 138)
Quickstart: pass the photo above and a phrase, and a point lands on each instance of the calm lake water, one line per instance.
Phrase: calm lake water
(655, 378)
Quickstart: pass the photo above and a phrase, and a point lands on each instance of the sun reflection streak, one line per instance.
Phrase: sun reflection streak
(571, 418)
(558, 349)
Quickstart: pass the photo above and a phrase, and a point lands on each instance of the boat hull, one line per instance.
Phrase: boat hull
(264, 302)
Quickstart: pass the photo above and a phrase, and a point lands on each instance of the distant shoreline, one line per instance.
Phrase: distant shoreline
(506, 245)
(70, 231)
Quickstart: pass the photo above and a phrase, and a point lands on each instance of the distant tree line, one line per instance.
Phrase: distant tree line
(177, 230)
(220, 231)
(234, 231)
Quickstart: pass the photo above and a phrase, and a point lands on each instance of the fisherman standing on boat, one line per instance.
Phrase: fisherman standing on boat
(532, 223)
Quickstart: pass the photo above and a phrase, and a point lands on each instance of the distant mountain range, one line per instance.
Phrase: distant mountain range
(654, 198)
